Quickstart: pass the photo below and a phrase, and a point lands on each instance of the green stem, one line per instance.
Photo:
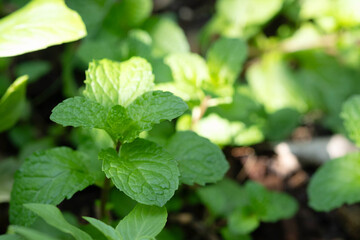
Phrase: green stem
(200, 111)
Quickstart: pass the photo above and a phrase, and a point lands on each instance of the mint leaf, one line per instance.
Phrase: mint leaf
(269, 206)
(223, 197)
(335, 183)
(128, 14)
(189, 71)
(109, 232)
(79, 112)
(12, 103)
(121, 127)
(224, 60)
(154, 107)
(112, 83)
(53, 216)
(200, 161)
(149, 221)
(11, 237)
(273, 77)
(167, 36)
(243, 221)
(150, 108)
(38, 25)
(49, 177)
(29, 233)
(351, 115)
(143, 170)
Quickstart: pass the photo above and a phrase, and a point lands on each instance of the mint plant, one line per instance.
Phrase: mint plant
(246, 206)
(120, 102)
(337, 182)
(143, 222)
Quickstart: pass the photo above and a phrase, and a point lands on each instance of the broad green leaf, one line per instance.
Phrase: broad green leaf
(109, 232)
(121, 127)
(128, 14)
(156, 106)
(148, 109)
(327, 83)
(351, 116)
(139, 44)
(281, 206)
(12, 103)
(167, 36)
(243, 221)
(269, 206)
(79, 112)
(274, 85)
(280, 124)
(11, 237)
(335, 183)
(200, 161)
(49, 177)
(149, 221)
(223, 197)
(188, 69)
(113, 83)
(224, 60)
(142, 170)
(38, 25)
(53, 216)
(248, 12)
(29, 233)
(228, 235)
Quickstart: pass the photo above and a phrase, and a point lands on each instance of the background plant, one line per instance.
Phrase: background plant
(296, 64)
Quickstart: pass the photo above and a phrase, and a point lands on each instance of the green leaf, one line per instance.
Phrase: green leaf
(150, 108)
(143, 170)
(109, 232)
(248, 12)
(351, 115)
(113, 83)
(273, 77)
(121, 127)
(38, 25)
(49, 177)
(280, 124)
(335, 183)
(11, 237)
(12, 103)
(53, 216)
(269, 206)
(224, 60)
(29, 233)
(223, 197)
(128, 14)
(79, 112)
(243, 221)
(200, 161)
(149, 221)
(228, 235)
(167, 36)
(157, 106)
(188, 68)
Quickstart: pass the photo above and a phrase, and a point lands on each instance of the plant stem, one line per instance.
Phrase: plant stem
(105, 214)
(200, 111)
